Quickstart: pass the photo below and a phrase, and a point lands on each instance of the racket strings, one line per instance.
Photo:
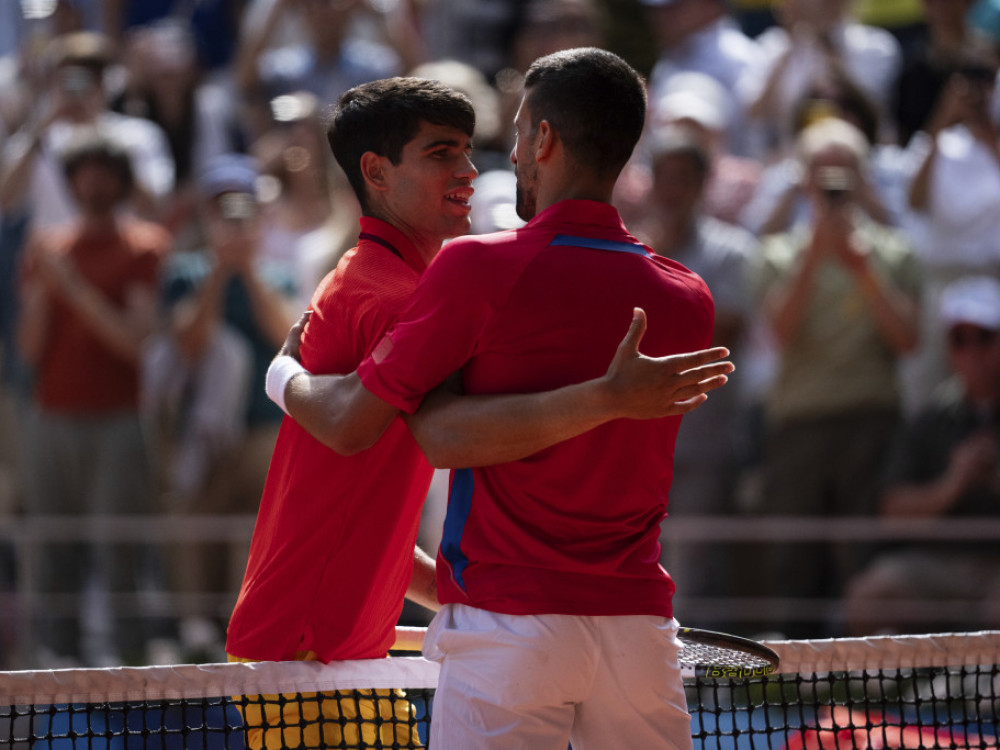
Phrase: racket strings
(701, 655)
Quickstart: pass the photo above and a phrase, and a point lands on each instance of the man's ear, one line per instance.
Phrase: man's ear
(373, 170)
(545, 141)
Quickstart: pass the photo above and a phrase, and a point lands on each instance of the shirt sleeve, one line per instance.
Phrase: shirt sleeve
(441, 329)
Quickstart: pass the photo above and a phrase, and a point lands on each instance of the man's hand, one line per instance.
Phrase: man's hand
(294, 339)
(652, 387)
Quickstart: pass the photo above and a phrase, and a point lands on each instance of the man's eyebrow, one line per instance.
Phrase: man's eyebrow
(450, 142)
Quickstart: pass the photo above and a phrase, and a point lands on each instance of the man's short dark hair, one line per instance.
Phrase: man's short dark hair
(594, 100)
(102, 150)
(383, 116)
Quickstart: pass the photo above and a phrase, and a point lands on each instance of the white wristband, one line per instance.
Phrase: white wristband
(282, 369)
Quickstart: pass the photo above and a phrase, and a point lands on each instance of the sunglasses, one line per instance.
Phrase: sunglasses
(967, 336)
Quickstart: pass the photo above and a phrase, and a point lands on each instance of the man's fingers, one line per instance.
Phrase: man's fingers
(707, 371)
(636, 330)
(294, 338)
(690, 360)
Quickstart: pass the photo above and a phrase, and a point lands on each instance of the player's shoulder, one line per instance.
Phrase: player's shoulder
(483, 253)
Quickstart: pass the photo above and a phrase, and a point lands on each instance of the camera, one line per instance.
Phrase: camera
(76, 81)
(237, 207)
(836, 183)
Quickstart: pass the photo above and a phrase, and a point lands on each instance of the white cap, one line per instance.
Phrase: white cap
(974, 300)
(693, 96)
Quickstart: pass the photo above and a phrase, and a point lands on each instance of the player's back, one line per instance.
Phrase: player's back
(573, 528)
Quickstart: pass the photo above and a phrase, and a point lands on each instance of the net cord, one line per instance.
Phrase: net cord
(212, 680)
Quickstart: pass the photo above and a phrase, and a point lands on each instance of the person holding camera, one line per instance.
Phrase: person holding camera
(954, 194)
(840, 293)
(228, 309)
(32, 183)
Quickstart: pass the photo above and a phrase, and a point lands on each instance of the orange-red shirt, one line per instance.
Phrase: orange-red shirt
(77, 372)
(332, 551)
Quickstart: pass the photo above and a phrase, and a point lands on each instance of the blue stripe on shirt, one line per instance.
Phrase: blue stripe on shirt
(459, 507)
(598, 244)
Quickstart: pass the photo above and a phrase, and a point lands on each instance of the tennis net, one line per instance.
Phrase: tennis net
(936, 691)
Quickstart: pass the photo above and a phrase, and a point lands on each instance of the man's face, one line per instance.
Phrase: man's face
(96, 187)
(522, 156)
(974, 353)
(427, 193)
(678, 184)
(233, 228)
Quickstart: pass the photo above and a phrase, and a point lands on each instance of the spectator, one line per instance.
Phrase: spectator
(229, 312)
(304, 197)
(480, 34)
(781, 200)
(700, 36)
(814, 42)
(164, 85)
(955, 193)
(32, 182)
(323, 58)
(946, 464)
(698, 102)
(721, 254)
(840, 293)
(213, 24)
(929, 63)
(88, 305)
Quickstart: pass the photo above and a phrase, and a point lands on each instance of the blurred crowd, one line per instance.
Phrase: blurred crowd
(168, 204)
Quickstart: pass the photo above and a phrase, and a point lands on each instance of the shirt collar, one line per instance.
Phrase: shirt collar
(596, 213)
(387, 236)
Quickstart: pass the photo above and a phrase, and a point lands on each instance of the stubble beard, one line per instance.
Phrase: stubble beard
(524, 197)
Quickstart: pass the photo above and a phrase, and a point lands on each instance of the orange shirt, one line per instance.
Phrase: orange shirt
(77, 373)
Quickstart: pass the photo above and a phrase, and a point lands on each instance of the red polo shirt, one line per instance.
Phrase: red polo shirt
(332, 550)
(573, 529)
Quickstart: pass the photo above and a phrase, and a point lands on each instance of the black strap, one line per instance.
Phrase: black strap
(381, 241)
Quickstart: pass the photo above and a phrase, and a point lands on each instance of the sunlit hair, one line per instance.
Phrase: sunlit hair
(594, 100)
(383, 116)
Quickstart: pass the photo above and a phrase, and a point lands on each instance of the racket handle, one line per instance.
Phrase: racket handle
(409, 638)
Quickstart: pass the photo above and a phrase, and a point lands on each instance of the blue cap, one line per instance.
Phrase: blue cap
(230, 173)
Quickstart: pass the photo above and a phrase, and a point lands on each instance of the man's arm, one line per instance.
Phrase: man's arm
(465, 431)
(423, 581)
(338, 411)
(457, 431)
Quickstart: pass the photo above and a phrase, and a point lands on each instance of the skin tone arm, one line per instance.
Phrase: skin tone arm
(961, 101)
(975, 461)
(468, 431)
(196, 319)
(423, 581)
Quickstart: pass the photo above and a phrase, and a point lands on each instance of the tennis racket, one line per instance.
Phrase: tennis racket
(720, 656)
(704, 653)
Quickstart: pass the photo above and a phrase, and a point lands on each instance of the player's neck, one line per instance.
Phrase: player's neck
(558, 181)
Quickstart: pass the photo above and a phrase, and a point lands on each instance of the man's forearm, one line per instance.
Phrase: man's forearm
(457, 431)
(338, 411)
(466, 431)
(423, 581)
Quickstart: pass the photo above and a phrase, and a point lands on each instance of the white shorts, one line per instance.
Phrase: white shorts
(543, 681)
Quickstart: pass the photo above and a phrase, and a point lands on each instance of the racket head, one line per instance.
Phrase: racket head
(721, 656)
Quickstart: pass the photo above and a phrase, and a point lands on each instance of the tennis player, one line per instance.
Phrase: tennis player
(557, 622)
(334, 545)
